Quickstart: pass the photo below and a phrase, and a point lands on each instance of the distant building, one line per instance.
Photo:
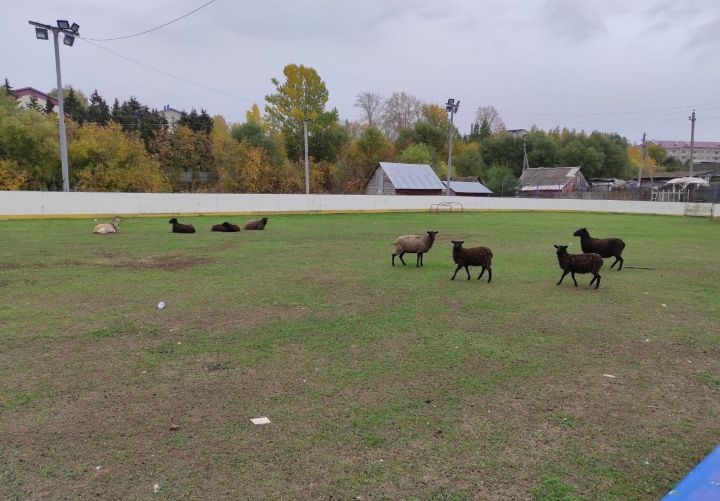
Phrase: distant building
(171, 115)
(704, 151)
(544, 181)
(517, 132)
(468, 188)
(404, 179)
(24, 95)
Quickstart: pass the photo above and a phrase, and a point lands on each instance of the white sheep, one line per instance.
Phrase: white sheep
(413, 244)
(106, 228)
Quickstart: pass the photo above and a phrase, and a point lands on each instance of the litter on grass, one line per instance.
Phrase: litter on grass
(156, 488)
(260, 420)
(609, 375)
(161, 305)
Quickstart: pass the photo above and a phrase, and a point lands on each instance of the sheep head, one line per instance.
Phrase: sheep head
(173, 221)
(457, 244)
(432, 235)
(582, 232)
(561, 249)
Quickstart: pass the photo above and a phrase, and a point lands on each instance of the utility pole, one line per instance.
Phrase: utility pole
(526, 164)
(692, 141)
(70, 32)
(307, 161)
(642, 162)
(452, 107)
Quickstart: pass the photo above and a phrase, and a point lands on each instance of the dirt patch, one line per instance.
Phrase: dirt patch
(162, 263)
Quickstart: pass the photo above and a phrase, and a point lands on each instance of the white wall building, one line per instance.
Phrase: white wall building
(705, 151)
(25, 94)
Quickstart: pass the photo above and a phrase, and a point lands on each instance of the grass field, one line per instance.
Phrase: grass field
(380, 382)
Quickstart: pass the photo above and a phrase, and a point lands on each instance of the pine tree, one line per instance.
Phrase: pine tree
(49, 107)
(34, 105)
(98, 110)
(8, 89)
(115, 112)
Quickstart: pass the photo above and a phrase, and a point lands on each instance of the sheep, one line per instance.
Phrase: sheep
(579, 263)
(181, 228)
(106, 228)
(257, 224)
(473, 256)
(606, 247)
(226, 227)
(413, 244)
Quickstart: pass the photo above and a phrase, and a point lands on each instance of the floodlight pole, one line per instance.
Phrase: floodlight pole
(692, 141)
(452, 107)
(61, 116)
(61, 109)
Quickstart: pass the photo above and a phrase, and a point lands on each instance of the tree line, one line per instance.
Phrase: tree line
(129, 146)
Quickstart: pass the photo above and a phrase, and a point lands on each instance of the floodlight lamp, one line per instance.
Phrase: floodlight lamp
(75, 27)
(41, 33)
(63, 25)
(69, 40)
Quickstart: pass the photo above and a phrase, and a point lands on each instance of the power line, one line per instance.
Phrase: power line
(184, 80)
(151, 29)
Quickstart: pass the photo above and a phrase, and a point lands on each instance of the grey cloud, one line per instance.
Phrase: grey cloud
(572, 20)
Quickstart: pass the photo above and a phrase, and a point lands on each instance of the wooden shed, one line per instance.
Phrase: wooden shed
(404, 179)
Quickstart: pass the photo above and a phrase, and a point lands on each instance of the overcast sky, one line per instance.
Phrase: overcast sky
(614, 65)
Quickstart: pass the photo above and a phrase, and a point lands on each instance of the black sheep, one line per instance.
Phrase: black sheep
(579, 263)
(257, 224)
(181, 228)
(473, 256)
(606, 247)
(228, 227)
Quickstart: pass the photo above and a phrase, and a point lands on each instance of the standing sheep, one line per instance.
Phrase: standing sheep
(228, 227)
(181, 228)
(257, 224)
(606, 247)
(473, 256)
(106, 228)
(413, 244)
(579, 263)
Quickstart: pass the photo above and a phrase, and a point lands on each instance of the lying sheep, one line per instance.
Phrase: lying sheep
(473, 256)
(106, 228)
(606, 247)
(257, 224)
(413, 244)
(579, 263)
(225, 227)
(181, 228)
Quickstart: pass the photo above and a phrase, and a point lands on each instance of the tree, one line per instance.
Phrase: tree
(370, 105)
(8, 89)
(467, 159)
(416, 154)
(49, 107)
(34, 104)
(500, 180)
(489, 116)
(252, 132)
(98, 111)
(657, 153)
(400, 111)
(75, 102)
(107, 159)
(302, 96)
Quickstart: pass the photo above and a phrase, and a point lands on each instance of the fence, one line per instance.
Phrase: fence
(700, 194)
(84, 204)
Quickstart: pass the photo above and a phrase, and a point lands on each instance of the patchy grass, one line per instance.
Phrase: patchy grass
(380, 382)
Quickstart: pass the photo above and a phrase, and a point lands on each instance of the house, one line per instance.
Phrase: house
(544, 181)
(25, 94)
(468, 188)
(404, 179)
(171, 115)
(517, 132)
(703, 151)
(606, 184)
(660, 178)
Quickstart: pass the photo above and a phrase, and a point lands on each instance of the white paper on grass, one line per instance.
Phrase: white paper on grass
(260, 420)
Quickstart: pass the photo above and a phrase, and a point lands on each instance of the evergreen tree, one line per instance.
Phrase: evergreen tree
(72, 106)
(8, 89)
(98, 111)
(49, 107)
(115, 111)
(34, 105)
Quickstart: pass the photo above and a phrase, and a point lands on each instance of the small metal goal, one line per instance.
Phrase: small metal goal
(446, 206)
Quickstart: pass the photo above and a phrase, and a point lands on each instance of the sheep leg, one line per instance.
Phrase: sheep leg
(481, 273)
(489, 274)
(456, 270)
(572, 274)
(393, 258)
(422, 259)
(467, 270)
(616, 262)
(418, 261)
(621, 262)
(401, 258)
(593, 280)
(597, 282)
(562, 277)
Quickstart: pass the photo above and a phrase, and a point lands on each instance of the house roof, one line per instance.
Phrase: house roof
(468, 187)
(30, 91)
(681, 173)
(412, 176)
(547, 178)
(686, 144)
